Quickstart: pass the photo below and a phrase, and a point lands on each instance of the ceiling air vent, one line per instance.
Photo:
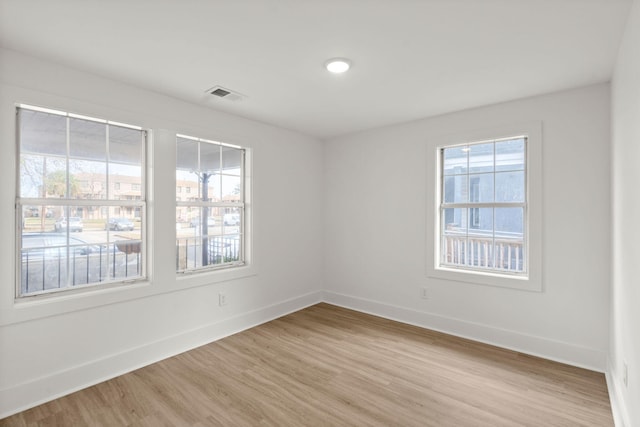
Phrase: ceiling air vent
(226, 94)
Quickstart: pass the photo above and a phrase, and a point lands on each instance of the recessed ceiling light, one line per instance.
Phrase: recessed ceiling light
(338, 65)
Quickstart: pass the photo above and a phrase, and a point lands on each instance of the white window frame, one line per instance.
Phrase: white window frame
(241, 206)
(68, 201)
(532, 279)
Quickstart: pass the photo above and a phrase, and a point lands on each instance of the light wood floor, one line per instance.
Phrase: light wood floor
(328, 366)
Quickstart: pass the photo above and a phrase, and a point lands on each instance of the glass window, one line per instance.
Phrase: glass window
(483, 206)
(210, 223)
(75, 229)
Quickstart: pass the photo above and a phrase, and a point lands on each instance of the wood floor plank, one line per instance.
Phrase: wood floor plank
(329, 366)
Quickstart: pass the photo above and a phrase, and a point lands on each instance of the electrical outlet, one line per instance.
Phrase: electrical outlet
(222, 299)
(424, 293)
(625, 374)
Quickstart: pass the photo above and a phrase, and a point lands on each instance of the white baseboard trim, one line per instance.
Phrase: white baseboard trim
(35, 392)
(567, 353)
(618, 408)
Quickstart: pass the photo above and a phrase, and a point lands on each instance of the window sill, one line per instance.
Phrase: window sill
(194, 278)
(510, 281)
(46, 305)
(27, 309)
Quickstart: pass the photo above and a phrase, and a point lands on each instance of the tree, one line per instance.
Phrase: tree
(37, 182)
(56, 184)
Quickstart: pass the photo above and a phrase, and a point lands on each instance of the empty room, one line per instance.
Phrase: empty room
(302, 213)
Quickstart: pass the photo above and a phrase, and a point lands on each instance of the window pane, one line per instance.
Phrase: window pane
(44, 261)
(455, 160)
(201, 243)
(201, 227)
(509, 223)
(110, 243)
(32, 176)
(509, 239)
(455, 221)
(510, 187)
(55, 177)
(231, 161)
(454, 235)
(87, 140)
(226, 248)
(125, 145)
(186, 219)
(42, 133)
(187, 186)
(184, 215)
(509, 256)
(455, 189)
(186, 155)
(214, 188)
(481, 158)
(43, 176)
(209, 157)
(87, 179)
(481, 188)
(39, 219)
(126, 182)
(510, 155)
(480, 237)
(232, 218)
(124, 235)
(481, 222)
(231, 188)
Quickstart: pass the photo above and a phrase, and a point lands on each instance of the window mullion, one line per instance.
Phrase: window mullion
(143, 165)
(68, 198)
(483, 205)
(493, 219)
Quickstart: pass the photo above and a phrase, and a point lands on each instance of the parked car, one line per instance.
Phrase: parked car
(73, 223)
(195, 222)
(231, 219)
(119, 224)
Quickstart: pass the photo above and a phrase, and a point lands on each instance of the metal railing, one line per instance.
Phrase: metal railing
(57, 267)
(220, 250)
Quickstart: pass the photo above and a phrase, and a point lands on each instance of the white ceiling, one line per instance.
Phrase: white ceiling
(411, 58)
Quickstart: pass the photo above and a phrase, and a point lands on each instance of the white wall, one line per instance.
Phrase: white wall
(376, 199)
(50, 348)
(625, 293)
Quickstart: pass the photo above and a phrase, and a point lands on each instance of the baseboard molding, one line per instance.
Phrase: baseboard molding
(570, 354)
(29, 394)
(618, 408)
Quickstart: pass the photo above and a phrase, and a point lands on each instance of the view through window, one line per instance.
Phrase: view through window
(483, 206)
(210, 204)
(80, 201)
